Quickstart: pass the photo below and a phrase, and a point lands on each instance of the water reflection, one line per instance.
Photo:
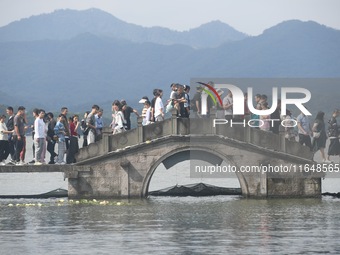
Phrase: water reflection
(188, 225)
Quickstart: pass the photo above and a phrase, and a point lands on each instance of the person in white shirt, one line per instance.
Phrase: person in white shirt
(119, 117)
(159, 107)
(40, 138)
(4, 144)
(148, 116)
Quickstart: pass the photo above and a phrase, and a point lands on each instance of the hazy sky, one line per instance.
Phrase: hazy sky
(248, 16)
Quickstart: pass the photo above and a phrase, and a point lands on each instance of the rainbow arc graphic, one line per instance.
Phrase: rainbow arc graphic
(210, 93)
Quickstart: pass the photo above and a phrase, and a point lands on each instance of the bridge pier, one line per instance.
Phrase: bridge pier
(126, 172)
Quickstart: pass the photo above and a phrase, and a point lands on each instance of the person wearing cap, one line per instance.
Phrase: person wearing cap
(19, 133)
(142, 101)
(127, 110)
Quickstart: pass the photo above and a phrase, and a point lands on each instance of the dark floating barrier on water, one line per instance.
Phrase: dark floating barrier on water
(331, 194)
(57, 193)
(196, 190)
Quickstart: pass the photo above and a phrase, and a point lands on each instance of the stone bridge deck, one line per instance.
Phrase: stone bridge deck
(122, 165)
(200, 126)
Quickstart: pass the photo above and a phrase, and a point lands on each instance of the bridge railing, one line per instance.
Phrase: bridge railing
(198, 126)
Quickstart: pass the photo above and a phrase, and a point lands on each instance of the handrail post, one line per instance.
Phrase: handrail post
(174, 124)
(140, 129)
(282, 138)
(248, 131)
(212, 116)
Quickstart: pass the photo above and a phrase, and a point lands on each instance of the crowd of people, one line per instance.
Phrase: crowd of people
(47, 132)
(65, 132)
(312, 135)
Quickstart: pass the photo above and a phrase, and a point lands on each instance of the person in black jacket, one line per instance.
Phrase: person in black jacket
(333, 134)
(51, 139)
(10, 127)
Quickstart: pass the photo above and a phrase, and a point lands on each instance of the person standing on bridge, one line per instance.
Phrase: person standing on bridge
(39, 138)
(74, 145)
(195, 103)
(64, 112)
(153, 101)
(19, 134)
(35, 114)
(4, 144)
(170, 102)
(10, 127)
(180, 102)
(91, 124)
(319, 136)
(148, 116)
(334, 135)
(51, 137)
(59, 130)
(84, 128)
(99, 124)
(187, 98)
(127, 110)
(119, 117)
(305, 130)
(159, 107)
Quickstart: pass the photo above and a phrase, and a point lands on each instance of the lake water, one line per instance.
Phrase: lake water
(169, 225)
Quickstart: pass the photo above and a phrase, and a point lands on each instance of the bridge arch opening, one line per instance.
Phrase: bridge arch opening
(180, 168)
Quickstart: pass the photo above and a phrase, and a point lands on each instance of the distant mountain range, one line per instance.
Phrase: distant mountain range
(78, 58)
(66, 24)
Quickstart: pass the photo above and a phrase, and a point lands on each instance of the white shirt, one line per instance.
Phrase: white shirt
(158, 106)
(147, 118)
(173, 95)
(119, 123)
(39, 128)
(3, 136)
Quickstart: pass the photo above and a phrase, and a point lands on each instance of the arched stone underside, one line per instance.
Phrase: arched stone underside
(127, 172)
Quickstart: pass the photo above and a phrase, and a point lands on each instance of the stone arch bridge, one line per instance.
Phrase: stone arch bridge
(122, 165)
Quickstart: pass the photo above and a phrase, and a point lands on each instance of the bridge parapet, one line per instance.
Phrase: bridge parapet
(195, 126)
